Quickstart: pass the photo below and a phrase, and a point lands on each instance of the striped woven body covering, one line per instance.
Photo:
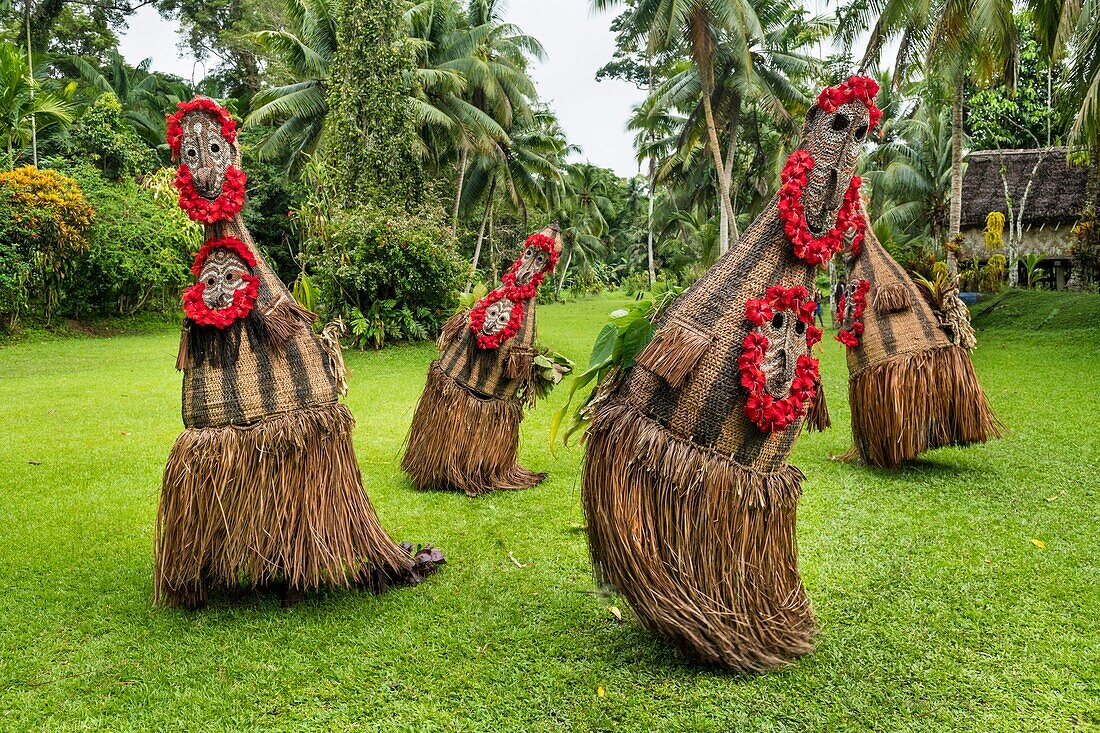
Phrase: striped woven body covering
(260, 381)
(484, 371)
(908, 327)
(706, 408)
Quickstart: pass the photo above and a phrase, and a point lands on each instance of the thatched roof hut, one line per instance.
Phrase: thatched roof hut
(1057, 194)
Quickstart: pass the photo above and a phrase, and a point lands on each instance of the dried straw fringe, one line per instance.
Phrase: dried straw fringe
(891, 297)
(454, 326)
(285, 319)
(703, 548)
(460, 441)
(916, 402)
(280, 500)
(519, 364)
(674, 351)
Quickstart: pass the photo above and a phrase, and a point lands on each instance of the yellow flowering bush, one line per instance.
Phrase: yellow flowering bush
(44, 222)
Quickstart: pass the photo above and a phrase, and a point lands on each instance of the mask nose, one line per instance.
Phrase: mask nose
(207, 181)
(778, 380)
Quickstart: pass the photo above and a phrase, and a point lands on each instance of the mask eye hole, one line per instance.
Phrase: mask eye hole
(191, 152)
(861, 132)
(214, 147)
(800, 328)
(777, 321)
(210, 280)
(841, 122)
(229, 277)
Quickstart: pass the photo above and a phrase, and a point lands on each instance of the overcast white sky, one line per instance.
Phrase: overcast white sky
(577, 43)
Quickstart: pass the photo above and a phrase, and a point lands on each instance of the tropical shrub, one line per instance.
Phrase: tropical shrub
(139, 247)
(103, 137)
(390, 275)
(44, 233)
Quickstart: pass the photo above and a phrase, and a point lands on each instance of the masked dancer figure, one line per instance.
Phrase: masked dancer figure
(262, 487)
(465, 433)
(690, 501)
(911, 384)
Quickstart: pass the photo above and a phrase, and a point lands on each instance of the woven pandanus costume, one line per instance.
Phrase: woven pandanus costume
(911, 385)
(465, 433)
(689, 499)
(262, 487)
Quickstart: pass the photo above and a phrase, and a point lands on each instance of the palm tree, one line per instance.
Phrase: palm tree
(959, 40)
(1084, 40)
(139, 91)
(25, 107)
(583, 216)
(913, 192)
(527, 169)
(297, 110)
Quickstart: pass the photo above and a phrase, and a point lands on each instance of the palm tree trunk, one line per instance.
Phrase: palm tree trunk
(652, 183)
(481, 234)
(492, 248)
(458, 188)
(955, 215)
(727, 170)
(649, 220)
(30, 81)
(564, 271)
(716, 155)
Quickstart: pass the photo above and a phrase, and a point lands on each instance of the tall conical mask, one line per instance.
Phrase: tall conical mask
(262, 487)
(690, 502)
(911, 386)
(465, 433)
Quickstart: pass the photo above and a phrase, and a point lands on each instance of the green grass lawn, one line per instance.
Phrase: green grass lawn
(938, 613)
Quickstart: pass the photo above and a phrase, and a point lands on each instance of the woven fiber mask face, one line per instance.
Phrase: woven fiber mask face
(497, 316)
(226, 289)
(819, 199)
(534, 260)
(776, 364)
(206, 153)
(786, 343)
(834, 140)
(203, 138)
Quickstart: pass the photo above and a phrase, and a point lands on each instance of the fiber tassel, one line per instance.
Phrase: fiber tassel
(330, 342)
(891, 297)
(183, 356)
(519, 364)
(285, 319)
(454, 326)
(817, 417)
(674, 351)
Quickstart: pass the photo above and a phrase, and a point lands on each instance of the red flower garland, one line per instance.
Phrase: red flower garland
(477, 319)
(813, 250)
(244, 299)
(856, 88)
(515, 293)
(768, 413)
(174, 134)
(850, 336)
(232, 244)
(201, 209)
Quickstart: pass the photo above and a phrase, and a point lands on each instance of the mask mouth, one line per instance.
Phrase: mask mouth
(523, 276)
